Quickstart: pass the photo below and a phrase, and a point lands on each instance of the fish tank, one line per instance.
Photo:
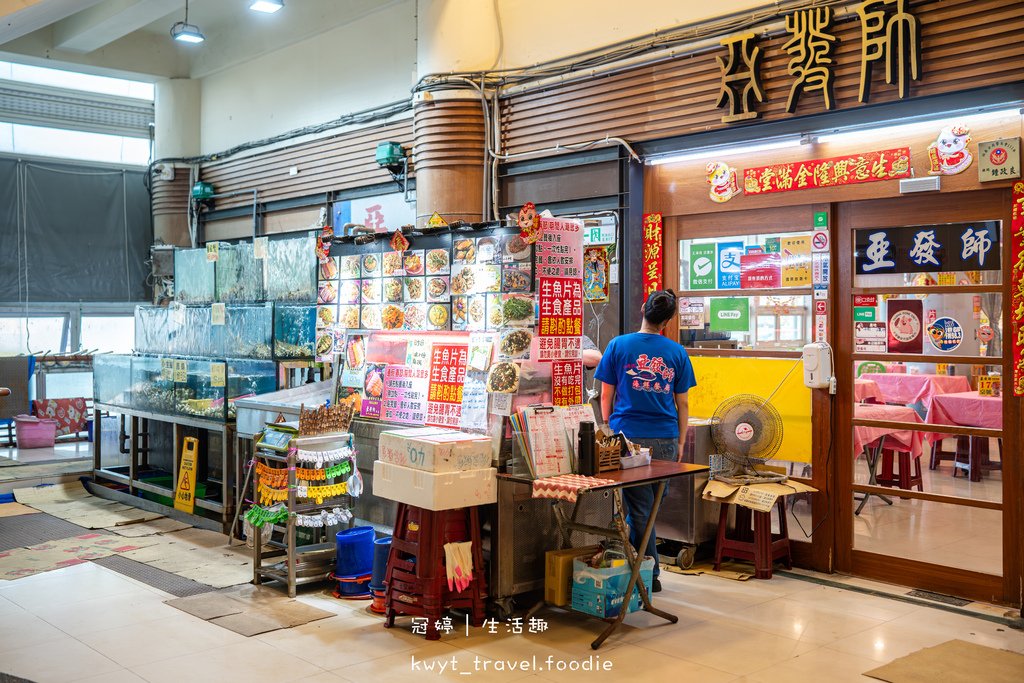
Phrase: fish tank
(291, 270)
(152, 384)
(248, 378)
(294, 331)
(198, 336)
(201, 392)
(155, 330)
(239, 274)
(112, 379)
(248, 330)
(194, 277)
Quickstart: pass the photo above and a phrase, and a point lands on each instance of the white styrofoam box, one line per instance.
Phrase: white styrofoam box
(440, 450)
(442, 491)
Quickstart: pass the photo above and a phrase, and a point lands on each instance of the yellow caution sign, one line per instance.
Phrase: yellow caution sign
(435, 221)
(185, 493)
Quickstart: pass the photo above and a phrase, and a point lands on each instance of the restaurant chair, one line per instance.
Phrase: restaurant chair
(962, 449)
(907, 478)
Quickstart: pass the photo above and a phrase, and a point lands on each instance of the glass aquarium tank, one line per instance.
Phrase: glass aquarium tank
(112, 379)
(239, 274)
(291, 270)
(248, 378)
(155, 330)
(194, 277)
(199, 390)
(248, 330)
(294, 331)
(198, 336)
(152, 384)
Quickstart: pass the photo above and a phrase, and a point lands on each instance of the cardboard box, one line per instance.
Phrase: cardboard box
(434, 491)
(601, 592)
(558, 573)
(435, 450)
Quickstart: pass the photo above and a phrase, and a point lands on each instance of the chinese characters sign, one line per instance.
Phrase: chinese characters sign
(561, 306)
(950, 248)
(1017, 287)
(741, 77)
(999, 159)
(760, 271)
(867, 167)
(447, 376)
(567, 382)
(560, 249)
(810, 51)
(891, 34)
(652, 245)
(405, 394)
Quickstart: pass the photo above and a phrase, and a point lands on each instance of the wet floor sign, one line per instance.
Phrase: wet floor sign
(185, 492)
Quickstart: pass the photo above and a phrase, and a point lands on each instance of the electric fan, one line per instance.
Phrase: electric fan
(746, 431)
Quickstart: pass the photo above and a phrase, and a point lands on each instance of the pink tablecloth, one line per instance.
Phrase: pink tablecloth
(908, 440)
(907, 389)
(966, 409)
(863, 389)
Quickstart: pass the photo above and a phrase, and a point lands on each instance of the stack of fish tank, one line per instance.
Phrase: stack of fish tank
(155, 329)
(198, 335)
(112, 379)
(247, 378)
(194, 277)
(294, 331)
(239, 274)
(201, 393)
(152, 385)
(248, 330)
(291, 270)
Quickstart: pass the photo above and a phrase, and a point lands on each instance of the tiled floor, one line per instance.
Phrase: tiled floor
(86, 623)
(62, 450)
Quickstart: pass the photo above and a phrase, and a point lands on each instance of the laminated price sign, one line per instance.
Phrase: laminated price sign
(217, 314)
(213, 251)
(185, 491)
(180, 370)
(217, 375)
(167, 369)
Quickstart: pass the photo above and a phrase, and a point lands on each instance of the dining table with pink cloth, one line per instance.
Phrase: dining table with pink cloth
(908, 389)
(967, 409)
(907, 440)
(864, 389)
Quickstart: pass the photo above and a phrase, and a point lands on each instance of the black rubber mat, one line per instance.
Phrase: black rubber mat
(20, 531)
(939, 597)
(8, 678)
(177, 586)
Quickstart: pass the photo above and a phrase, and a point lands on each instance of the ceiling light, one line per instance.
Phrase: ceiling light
(185, 32)
(923, 123)
(709, 152)
(266, 6)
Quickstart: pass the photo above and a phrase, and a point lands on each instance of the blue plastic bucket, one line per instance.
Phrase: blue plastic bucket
(355, 551)
(381, 548)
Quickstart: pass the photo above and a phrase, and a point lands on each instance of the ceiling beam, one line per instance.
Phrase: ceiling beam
(108, 21)
(21, 17)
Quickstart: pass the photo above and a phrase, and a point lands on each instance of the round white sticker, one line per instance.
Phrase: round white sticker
(744, 432)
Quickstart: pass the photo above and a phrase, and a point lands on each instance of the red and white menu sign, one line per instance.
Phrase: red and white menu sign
(405, 394)
(560, 249)
(561, 307)
(447, 376)
(760, 271)
(567, 382)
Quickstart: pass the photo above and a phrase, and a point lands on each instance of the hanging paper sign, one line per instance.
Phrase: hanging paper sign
(405, 394)
(481, 345)
(529, 223)
(595, 274)
(167, 369)
(373, 390)
(949, 154)
(904, 325)
(851, 169)
(1017, 287)
(560, 249)
(561, 307)
(722, 179)
(702, 267)
(567, 382)
(180, 370)
(796, 261)
(259, 248)
(651, 253)
(447, 378)
(999, 159)
(217, 314)
(213, 252)
(945, 334)
(474, 403)
(399, 242)
(869, 337)
(760, 271)
(728, 264)
(217, 376)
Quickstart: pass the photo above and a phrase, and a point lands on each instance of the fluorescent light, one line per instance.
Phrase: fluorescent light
(905, 128)
(266, 6)
(187, 33)
(715, 152)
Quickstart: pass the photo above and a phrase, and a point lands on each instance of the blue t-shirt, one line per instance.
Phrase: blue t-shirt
(647, 371)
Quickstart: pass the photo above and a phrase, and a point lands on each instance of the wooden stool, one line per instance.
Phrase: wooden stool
(415, 580)
(760, 545)
(906, 478)
(963, 445)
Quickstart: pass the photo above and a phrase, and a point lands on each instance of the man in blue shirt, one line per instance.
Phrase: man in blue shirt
(645, 377)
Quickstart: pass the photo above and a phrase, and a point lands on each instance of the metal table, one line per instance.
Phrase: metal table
(658, 472)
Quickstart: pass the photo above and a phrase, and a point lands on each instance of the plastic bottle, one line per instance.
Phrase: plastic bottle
(586, 448)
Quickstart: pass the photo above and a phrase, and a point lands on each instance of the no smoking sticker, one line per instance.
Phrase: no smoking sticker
(819, 241)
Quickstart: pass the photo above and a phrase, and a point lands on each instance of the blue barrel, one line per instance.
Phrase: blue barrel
(355, 551)
(381, 548)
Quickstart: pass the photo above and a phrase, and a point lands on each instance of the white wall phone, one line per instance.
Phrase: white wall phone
(818, 366)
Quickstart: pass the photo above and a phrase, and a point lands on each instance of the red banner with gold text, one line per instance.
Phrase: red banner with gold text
(1017, 287)
(866, 167)
(652, 253)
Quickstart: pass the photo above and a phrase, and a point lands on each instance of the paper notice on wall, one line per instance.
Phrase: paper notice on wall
(501, 404)
(481, 346)
(259, 248)
(869, 337)
(567, 382)
(405, 394)
(474, 402)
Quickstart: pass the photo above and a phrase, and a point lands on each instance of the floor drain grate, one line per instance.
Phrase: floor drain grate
(939, 597)
(177, 586)
(21, 531)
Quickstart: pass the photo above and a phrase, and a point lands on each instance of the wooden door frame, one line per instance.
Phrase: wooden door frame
(994, 204)
(818, 553)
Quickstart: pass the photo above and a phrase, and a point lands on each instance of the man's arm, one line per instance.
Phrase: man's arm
(607, 401)
(591, 358)
(683, 410)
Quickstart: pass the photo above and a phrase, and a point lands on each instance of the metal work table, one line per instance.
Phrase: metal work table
(658, 472)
